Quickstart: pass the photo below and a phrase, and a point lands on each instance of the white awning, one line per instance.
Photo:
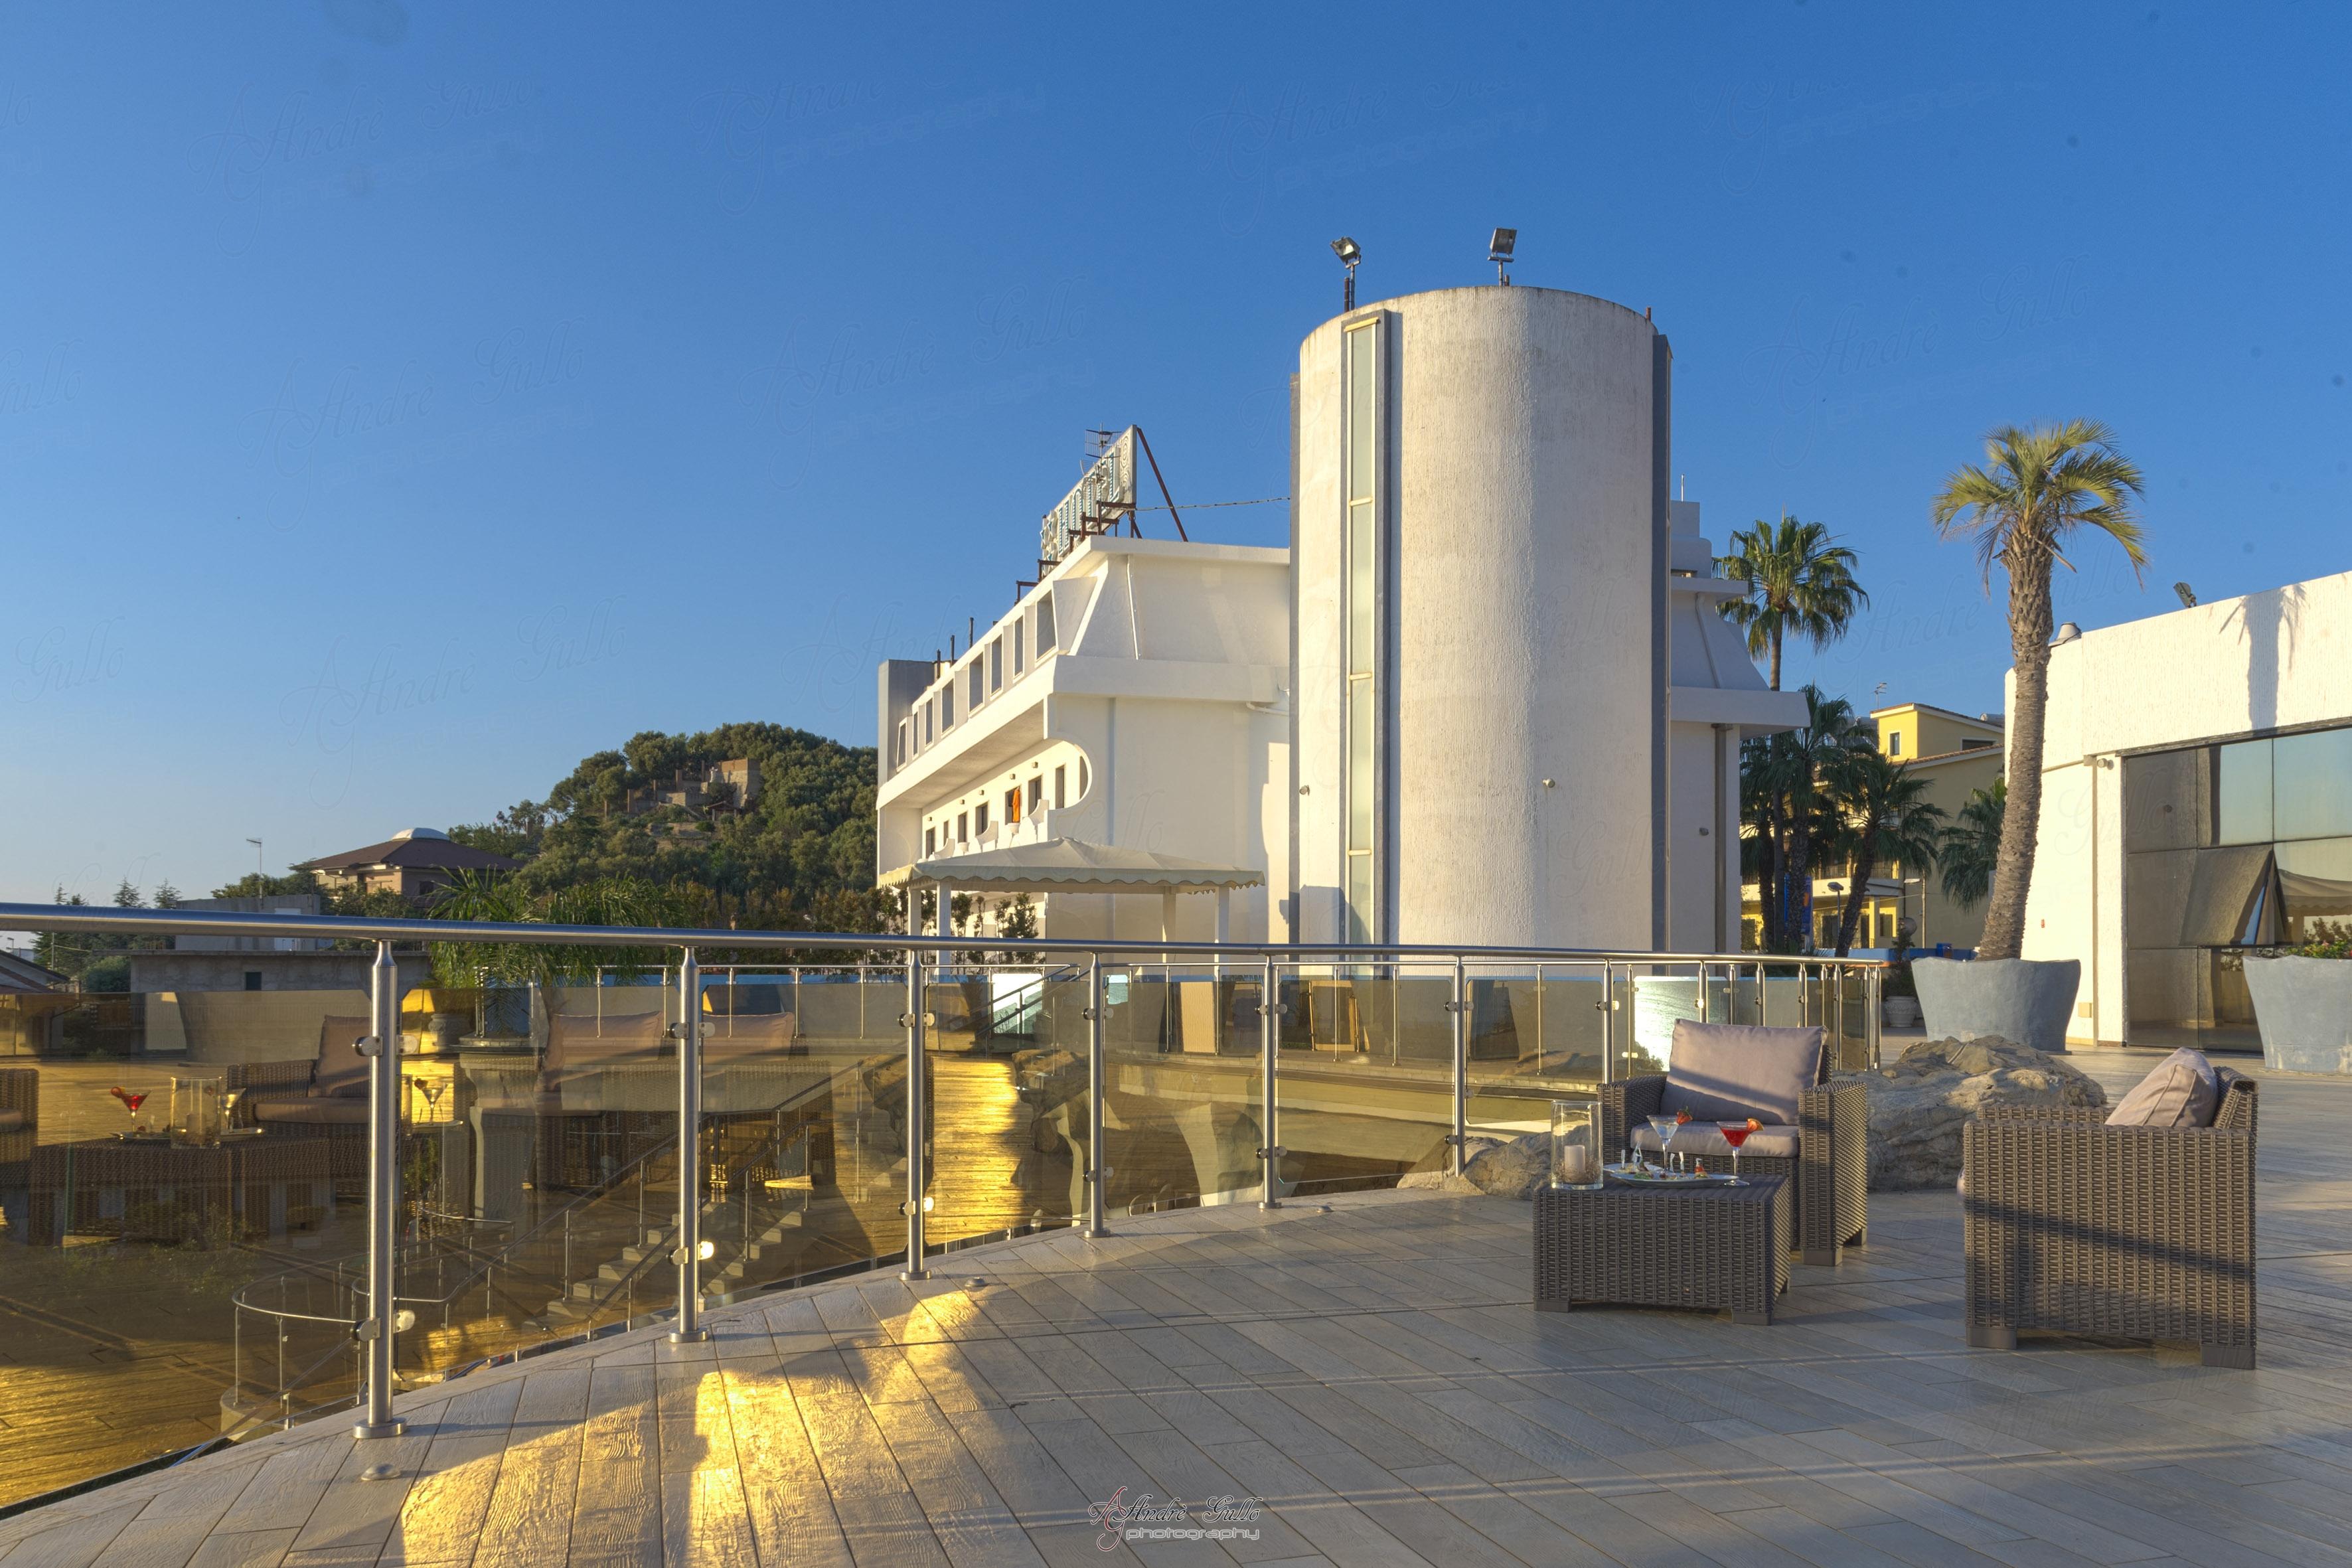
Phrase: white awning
(1072, 865)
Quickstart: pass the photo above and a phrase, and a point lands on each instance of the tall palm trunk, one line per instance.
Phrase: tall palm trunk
(1776, 659)
(1865, 867)
(2029, 621)
(1800, 878)
(1771, 880)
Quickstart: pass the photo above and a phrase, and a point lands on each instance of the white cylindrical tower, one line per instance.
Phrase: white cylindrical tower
(1478, 676)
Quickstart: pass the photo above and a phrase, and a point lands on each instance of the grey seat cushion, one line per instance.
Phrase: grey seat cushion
(2182, 1090)
(1705, 1140)
(1729, 1072)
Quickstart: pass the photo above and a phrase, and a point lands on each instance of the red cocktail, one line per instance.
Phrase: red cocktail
(1734, 1133)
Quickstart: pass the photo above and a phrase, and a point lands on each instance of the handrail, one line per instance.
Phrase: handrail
(347, 927)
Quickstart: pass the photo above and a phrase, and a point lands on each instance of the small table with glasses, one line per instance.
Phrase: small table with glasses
(1717, 1248)
(149, 1189)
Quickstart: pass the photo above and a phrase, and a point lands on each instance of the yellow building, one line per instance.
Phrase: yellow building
(1957, 755)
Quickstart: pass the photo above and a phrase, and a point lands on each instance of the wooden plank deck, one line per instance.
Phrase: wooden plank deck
(1369, 1384)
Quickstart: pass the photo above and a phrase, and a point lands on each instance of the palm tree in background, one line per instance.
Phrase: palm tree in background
(1800, 583)
(1787, 806)
(1971, 844)
(1888, 821)
(2036, 491)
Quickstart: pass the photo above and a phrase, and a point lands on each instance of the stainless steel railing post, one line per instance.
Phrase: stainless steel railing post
(1459, 1008)
(689, 1330)
(1098, 1173)
(1608, 1006)
(1871, 985)
(1270, 1152)
(377, 1332)
(918, 1177)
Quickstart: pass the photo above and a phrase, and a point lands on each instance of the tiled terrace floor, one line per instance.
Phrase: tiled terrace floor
(1376, 1375)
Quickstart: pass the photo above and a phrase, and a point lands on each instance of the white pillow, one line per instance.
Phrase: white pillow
(2181, 1091)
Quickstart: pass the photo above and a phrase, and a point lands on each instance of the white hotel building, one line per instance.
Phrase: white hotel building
(1483, 697)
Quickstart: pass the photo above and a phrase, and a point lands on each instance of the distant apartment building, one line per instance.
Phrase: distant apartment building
(1958, 754)
(414, 863)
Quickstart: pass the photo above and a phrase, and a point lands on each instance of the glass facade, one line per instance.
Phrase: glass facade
(1360, 579)
(2228, 849)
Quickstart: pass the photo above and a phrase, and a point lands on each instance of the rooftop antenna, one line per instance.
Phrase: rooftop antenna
(1685, 489)
(2187, 596)
(1498, 251)
(1349, 253)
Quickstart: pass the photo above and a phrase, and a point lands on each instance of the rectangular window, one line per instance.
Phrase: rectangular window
(1046, 625)
(253, 980)
(927, 708)
(1018, 627)
(1036, 792)
(1895, 742)
(2242, 793)
(947, 707)
(1359, 585)
(980, 818)
(964, 827)
(898, 751)
(1013, 807)
(973, 691)
(1082, 778)
(2313, 780)
(996, 665)
(930, 840)
(1059, 801)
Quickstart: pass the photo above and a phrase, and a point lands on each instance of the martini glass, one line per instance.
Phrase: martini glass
(131, 1103)
(1734, 1133)
(1664, 1126)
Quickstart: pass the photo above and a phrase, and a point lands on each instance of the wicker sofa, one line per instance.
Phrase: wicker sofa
(325, 1096)
(2143, 1232)
(1826, 1163)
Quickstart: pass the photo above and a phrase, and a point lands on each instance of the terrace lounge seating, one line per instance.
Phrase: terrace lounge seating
(1814, 1132)
(324, 1097)
(2136, 1231)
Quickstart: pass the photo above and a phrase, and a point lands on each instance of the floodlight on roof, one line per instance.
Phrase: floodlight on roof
(1498, 251)
(1349, 253)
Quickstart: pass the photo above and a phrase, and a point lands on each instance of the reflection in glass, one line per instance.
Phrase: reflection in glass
(2314, 783)
(2242, 788)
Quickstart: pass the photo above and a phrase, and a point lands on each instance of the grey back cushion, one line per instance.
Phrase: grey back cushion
(2181, 1091)
(1729, 1072)
(341, 1073)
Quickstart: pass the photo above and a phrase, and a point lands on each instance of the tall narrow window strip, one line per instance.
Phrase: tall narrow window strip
(1044, 626)
(996, 665)
(1359, 584)
(1018, 627)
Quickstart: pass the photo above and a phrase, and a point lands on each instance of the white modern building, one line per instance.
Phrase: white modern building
(2197, 804)
(1483, 699)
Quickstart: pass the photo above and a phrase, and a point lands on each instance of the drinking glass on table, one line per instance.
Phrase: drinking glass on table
(1734, 1133)
(1664, 1126)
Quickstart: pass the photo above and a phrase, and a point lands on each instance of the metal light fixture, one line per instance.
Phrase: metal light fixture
(1498, 251)
(1349, 253)
(2187, 596)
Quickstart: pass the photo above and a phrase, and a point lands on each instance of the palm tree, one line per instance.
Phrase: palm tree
(1888, 821)
(2037, 488)
(1800, 583)
(1971, 844)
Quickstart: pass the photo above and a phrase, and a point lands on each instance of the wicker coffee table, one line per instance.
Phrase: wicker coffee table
(1716, 1248)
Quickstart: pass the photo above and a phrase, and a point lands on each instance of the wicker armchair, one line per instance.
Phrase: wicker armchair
(1828, 1179)
(20, 1113)
(2136, 1231)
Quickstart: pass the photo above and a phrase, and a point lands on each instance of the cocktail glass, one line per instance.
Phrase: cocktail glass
(1735, 1133)
(131, 1103)
(1664, 1126)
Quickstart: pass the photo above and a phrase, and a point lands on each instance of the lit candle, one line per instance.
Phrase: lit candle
(1575, 1164)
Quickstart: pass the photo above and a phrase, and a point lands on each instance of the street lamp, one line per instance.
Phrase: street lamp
(260, 875)
(1349, 253)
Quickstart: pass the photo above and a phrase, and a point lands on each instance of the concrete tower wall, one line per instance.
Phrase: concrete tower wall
(1518, 435)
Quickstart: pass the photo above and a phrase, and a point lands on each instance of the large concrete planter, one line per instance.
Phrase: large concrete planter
(2023, 1000)
(2303, 1007)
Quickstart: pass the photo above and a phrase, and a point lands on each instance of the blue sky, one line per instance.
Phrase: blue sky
(398, 403)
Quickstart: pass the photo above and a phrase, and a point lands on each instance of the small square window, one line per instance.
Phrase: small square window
(253, 980)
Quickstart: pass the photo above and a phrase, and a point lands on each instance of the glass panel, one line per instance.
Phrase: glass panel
(1181, 1087)
(1363, 388)
(2165, 800)
(1371, 1097)
(1363, 556)
(2156, 897)
(1006, 1054)
(1360, 898)
(2168, 996)
(2314, 783)
(1530, 1040)
(1362, 784)
(2242, 793)
(2315, 878)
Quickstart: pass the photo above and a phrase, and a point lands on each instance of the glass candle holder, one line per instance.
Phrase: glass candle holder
(1576, 1154)
(197, 1115)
